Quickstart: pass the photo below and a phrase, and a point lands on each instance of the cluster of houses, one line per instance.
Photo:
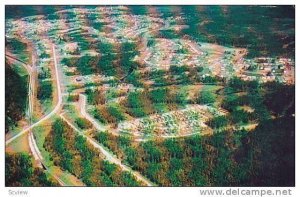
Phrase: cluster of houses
(269, 69)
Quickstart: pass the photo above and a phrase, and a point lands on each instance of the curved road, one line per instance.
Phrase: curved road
(36, 152)
(55, 110)
(110, 157)
(83, 101)
(32, 143)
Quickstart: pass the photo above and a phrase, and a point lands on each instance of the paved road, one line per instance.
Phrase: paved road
(82, 102)
(54, 111)
(32, 143)
(37, 153)
(38, 156)
(110, 157)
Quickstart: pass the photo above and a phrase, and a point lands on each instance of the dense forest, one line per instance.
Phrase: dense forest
(15, 97)
(73, 153)
(19, 172)
(264, 157)
(250, 27)
(230, 157)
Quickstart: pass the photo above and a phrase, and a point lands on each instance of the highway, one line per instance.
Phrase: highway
(32, 143)
(54, 111)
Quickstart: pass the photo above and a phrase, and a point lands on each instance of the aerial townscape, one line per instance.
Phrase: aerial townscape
(149, 96)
